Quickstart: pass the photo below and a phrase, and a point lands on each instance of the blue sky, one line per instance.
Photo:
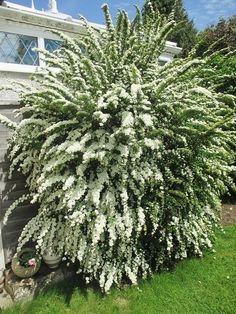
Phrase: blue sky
(203, 12)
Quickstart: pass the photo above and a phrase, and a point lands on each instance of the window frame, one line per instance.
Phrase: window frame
(33, 31)
(28, 41)
(42, 33)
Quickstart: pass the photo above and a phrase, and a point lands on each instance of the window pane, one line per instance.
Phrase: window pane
(162, 62)
(17, 48)
(52, 45)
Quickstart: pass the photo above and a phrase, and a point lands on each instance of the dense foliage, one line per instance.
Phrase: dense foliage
(184, 33)
(220, 39)
(126, 158)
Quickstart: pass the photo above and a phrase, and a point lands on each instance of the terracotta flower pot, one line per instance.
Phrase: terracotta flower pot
(52, 260)
(23, 271)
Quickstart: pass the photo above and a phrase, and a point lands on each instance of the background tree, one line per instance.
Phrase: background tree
(185, 33)
(223, 35)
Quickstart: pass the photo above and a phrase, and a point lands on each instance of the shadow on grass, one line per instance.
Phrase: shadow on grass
(66, 288)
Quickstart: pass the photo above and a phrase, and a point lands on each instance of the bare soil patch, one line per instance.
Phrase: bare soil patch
(228, 214)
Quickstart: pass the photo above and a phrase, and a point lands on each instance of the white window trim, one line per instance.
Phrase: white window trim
(39, 34)
(43, 33)
(41, 45)
(20, 68)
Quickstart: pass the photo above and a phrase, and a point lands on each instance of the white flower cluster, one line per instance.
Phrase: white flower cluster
(7, 122)
(126, 164)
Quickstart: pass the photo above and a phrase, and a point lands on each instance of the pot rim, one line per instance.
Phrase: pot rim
(22, 271)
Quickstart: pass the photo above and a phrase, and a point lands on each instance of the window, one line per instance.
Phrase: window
(162, 62)
(52, 45)
(17, 49)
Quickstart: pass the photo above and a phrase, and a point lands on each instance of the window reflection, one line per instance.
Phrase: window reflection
(17, 48)
(52, 45)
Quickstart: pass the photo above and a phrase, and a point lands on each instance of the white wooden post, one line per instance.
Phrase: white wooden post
(41, 46)
(2, 258)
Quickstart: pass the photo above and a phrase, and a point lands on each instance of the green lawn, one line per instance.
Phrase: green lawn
(205, 285)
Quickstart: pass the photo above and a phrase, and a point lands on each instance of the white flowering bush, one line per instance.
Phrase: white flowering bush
(126, 158)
